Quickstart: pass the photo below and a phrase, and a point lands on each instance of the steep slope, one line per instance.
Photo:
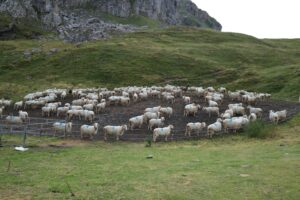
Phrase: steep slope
(81, 20)
(174, 55)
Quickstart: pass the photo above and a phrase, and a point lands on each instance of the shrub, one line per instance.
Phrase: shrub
(259, 129)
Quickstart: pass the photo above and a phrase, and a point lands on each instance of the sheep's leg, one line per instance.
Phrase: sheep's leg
(117, 137)
(166, 139)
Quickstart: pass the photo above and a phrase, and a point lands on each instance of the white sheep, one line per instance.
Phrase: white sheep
(64, 127)
(211, 110)
(14, 120)
(154, 109)
(156, 123)
(277, 116)
(23, 115)
(88, 115)
(62, 110)
(135, 97)
(227, 114)
(89, 106)
(212, 103)
(18, 105)
(136, 122)
(252, 117)
(89, 130)
(124, 101)
(238, 110)
(235, 123)
(63, 95)
(215, 127)
(114, 130)
(170, 99)
(150, 115)
(166, 131)
(257, 111)
(191, 109)
(167, 112)
(186, 99)
(72, 113)
(47, 111)
(197, 127)
(100, 107)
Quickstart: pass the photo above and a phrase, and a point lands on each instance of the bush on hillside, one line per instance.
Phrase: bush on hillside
(259, 129)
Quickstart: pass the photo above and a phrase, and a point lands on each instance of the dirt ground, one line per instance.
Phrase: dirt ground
(118, 115)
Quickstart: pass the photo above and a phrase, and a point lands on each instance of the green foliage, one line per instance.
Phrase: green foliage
(259, 129)
(210, 169)
(177, 55)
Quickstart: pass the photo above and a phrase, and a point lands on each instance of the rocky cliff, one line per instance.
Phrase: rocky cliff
(79, 20)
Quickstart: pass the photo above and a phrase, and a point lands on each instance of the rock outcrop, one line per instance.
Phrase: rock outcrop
(80, 20)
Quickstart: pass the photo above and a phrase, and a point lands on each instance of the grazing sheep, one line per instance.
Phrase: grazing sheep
(64, 127)
(88, 115)
(136, 122)
(100, 107)
(114, 130)
(47, 111)
(72, 113)
(89, 106)
(135, 97)
(235, 123)
(191, 109)
(76, 108)
(211, 110)
(257, 111)
(166, 131)
(167, 112)
(170, 99)
(150, 115)
(154, 109)
(198, 126)
(215, 127)
(23, 115)
(252, 117)
(156, 123)
(62, 110)
(222, 90)
(277, 116)
(227, 114)
(125, 101)
(212, 103)
(143, 96)
(63, 95)
(18, 105)
(89, 130)
(238, 110)
(14, 120)
(234, 95)
(186, 100)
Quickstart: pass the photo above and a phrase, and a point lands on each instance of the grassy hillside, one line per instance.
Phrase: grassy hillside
(174, 55)
(233, 167)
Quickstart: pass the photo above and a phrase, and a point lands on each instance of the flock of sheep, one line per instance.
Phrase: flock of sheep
(90, 101)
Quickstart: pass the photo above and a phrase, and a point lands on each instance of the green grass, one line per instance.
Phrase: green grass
(233, 167)
(174, 55)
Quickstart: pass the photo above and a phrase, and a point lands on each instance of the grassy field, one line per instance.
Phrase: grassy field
(231, 167)
(174, 55)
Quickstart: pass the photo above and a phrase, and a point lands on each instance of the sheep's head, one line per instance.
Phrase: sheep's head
(171, 126)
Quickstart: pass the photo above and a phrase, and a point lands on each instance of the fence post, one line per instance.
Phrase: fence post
(25, 136)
